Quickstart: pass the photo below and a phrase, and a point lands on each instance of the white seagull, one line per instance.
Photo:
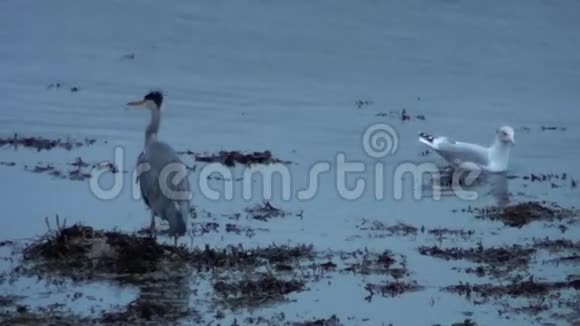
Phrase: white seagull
(494, 158)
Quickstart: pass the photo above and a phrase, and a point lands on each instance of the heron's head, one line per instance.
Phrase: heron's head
(151, 101)
(506, 135)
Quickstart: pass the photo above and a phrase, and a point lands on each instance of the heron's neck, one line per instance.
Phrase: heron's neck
(153, 127)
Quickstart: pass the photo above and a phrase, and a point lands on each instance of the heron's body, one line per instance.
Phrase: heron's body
(162, 176)
(158, 155)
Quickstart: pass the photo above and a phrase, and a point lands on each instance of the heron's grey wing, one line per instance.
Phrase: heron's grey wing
(458, 152)
(148, 180)
(167, 186)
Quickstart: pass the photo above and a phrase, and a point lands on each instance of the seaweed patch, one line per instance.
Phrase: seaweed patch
(231, 158)
(520, 214)
(41, 143)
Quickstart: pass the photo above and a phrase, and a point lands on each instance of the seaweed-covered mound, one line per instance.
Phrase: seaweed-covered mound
(81, 252)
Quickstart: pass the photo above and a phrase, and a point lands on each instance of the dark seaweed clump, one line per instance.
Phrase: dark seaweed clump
(237, 256)
(516, 288)
(570, 248)
(255, 292)
(367, 263)
(466, 322)
(332, 321)
(391, 289)
(526, 296)
(443, 233)
(495, 260)
(40, 143)
(403, 115)
(231, 158)
(280, 319)
(399, 229)
(520, 214)
(265, 212)
(141, 310)
(360, 103)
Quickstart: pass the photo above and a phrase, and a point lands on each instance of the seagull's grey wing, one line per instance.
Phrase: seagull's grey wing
(456, 152)
(459, 152)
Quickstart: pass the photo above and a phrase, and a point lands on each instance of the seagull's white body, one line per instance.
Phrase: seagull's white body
(494, 158)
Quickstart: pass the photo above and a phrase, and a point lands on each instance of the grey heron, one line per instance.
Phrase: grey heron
(162, 176)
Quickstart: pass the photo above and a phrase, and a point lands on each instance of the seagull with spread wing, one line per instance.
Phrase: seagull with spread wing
(494, 158)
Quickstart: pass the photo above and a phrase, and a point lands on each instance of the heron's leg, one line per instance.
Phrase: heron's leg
(152, 228)
(175, 241)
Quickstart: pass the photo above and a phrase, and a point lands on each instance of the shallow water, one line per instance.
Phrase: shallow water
(284, 76)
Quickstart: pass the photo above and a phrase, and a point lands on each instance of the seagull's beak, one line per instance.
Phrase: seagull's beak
(512, 140)
(139, 103)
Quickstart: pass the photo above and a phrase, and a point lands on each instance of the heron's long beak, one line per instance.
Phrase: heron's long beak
(513, 140)
(136, 103)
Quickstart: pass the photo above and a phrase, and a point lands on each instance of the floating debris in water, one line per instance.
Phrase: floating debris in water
(253, 292)
(518, 215)
(265, 211)
(332, 321)
(399, 229)
(128, 56)
(363, 103)
(231, 158)
(73, 89)
(6, 243)
(402, 115)
(556, 180)
(40, 143)
(391, 289)
(516, 288)
(442, 233)
(497, 261)
(378, 229)
(466, 322)
(141, 309)
(77, 174)
(246, 230)
(557, 245)
(545, 128)
(368, 263)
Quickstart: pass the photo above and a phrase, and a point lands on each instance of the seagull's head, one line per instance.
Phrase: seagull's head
(151, 101)
(506, 135)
